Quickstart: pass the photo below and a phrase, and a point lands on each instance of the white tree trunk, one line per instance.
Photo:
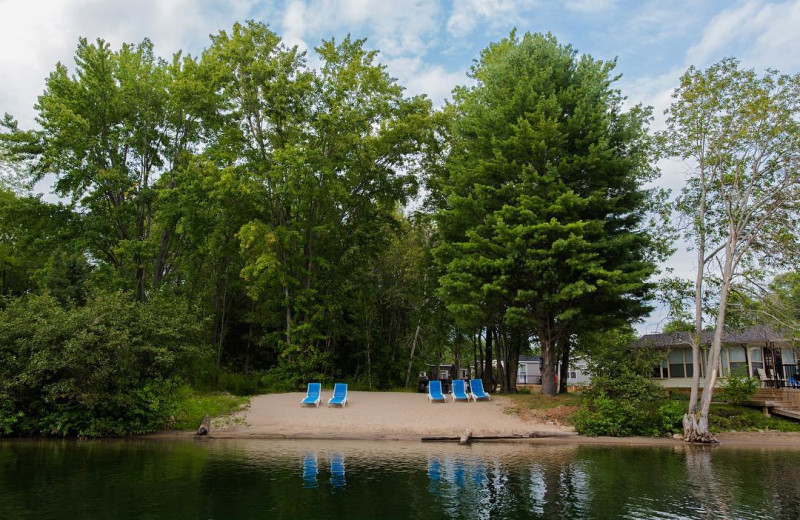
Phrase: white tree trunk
(701, 432)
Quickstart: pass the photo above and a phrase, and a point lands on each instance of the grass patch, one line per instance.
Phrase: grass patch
(193, 405)
(544, 402)
(557, 409)
(727, 418)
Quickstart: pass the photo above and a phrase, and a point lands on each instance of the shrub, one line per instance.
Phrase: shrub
(623, 401)
(604, 415)
(738, 388)
(110, 367)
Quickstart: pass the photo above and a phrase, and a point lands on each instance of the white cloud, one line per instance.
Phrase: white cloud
(423, 78)
(761, 35)
(590, 6)
(37, 34)
(468, 14)
(396, 28)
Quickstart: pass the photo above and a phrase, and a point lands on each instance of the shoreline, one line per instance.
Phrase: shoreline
(763, 440)
(409, 417)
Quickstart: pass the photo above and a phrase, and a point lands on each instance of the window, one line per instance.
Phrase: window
(660, 371)
(677, 366)
(788, 356)
(737, 360)
(687, 359)
(756, 361)
(573, 375)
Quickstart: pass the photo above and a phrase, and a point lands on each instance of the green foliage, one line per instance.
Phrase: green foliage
(623, 400)
(727, 418)
(543, 213)
(191, 406)
(107, 368)
(738, 388)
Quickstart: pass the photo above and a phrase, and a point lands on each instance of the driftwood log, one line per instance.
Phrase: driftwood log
(205, 426)
(467, 437)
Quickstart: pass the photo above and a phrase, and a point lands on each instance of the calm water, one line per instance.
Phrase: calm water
(362, 480)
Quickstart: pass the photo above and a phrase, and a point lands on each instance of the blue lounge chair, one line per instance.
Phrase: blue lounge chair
(476, 390)
(459, 392)
(339, 395)
(313, 395)
(435, 391)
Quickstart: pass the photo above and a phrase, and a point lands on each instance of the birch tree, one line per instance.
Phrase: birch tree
(739, 132)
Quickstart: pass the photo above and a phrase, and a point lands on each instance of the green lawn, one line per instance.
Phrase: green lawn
(193, 405)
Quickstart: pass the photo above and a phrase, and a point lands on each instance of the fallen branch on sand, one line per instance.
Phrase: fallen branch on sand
(467, 437)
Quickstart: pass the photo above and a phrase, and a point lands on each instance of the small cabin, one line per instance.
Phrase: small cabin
(757, 352)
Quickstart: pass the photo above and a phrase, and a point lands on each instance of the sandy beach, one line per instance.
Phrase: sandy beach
(378, 415)
(409, 417)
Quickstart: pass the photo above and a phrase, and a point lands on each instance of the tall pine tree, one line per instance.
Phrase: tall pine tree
(544, 207)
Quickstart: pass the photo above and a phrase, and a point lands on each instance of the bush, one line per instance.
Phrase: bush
(604, 415)
(106, 369)
(738, 388)
(623, 401)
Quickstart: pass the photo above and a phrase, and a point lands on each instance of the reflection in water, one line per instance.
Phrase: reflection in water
(712, 498)
(242, 480)
(310, 470)
(337, 470)
(434, 474)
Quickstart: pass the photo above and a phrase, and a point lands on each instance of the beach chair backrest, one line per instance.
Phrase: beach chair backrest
(314, 389)
(435, 387)
(340, 390)
(459, 387)
(477, 386)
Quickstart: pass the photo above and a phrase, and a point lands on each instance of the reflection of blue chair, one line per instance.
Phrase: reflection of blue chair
(476, 390)
(792, 382)
(478, 474)
(310, 470)
(435, 391)
(459, 473)
(434, 474)
(339, 395)
(460, 391)
(337, 470)
(313, 395)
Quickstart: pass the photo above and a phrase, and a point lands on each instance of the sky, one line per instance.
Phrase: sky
(428, 46)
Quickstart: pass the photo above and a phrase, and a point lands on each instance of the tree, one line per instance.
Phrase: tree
(108, 133)
(328, 156)
(740, 133)
(543, 213)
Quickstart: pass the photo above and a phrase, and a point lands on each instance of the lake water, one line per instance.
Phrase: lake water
(267, 479)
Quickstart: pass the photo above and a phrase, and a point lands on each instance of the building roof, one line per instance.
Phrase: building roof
(530, 359)
(759, 334)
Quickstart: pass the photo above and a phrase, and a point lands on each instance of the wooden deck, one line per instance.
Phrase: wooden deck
(782, 401)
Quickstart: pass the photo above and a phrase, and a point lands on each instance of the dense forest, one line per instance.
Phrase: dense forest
(240, 214)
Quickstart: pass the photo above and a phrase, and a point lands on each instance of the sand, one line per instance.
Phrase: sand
(409, 417)
(378, 415)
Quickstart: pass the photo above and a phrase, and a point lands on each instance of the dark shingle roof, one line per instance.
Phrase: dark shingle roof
(759, 334)
(531, 359)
